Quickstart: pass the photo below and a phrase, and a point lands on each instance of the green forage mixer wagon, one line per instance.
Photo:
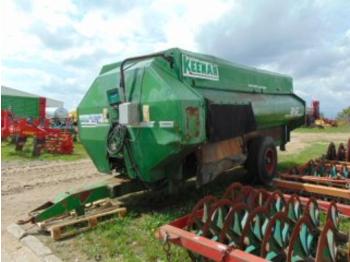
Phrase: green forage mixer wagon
(160, 119)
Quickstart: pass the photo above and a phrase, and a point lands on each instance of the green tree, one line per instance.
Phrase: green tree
(345, 114)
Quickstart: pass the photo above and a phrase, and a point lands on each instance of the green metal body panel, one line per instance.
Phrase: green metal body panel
(22, 107)
(175, 96)
(66, 202)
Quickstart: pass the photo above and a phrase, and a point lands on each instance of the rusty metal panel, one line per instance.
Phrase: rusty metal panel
(212, 152)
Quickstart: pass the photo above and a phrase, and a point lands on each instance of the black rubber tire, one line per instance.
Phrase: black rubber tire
(262, 160)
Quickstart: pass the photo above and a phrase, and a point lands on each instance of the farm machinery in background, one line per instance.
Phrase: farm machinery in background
(314, 118)
(325, 177)
(46, 133)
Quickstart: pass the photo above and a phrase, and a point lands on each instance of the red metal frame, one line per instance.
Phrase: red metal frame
(317, 180)
(6, 122)
(176, 233)
(42, 107)
(312, 188)
(56, 140)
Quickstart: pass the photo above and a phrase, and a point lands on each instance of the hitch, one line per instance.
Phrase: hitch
(76, 202)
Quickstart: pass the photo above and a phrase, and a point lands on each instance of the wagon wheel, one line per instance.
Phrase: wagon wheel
(313, 212)
(302, 243)
(254, 231)
(234, 224)
(276, 203)
(200, 214)
(217, 216)
(233, 191)
(294, 208)
(331, 152)
(276, 240)
(341, 153)
(326, 246)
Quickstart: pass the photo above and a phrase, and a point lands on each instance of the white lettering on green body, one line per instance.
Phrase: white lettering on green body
(196, 68)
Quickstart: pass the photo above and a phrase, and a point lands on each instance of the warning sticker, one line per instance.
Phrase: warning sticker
(93, 120)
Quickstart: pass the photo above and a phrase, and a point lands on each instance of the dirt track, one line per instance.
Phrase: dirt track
(26, 185)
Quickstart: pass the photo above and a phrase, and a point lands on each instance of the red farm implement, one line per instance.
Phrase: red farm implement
(250, 224)
(60, 142)
(327, 177)
(6, 123)
(45, 138)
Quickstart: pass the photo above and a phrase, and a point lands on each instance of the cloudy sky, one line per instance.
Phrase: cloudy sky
(56, 48)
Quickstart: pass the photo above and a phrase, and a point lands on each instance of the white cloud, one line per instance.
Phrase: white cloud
(57, 48)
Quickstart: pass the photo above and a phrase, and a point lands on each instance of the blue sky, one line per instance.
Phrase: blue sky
(56, 48)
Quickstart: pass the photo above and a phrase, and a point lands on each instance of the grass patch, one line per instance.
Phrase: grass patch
(130, 239)
(315, 150)
(8, 153)
(344, 128)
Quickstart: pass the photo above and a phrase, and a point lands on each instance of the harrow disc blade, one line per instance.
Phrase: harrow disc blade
(218, 214)
(200, 214)
(345, 171)
(326, 246)
(341, 153)
(302, 243)
(234, 225)
(333, 214)
(262, 197)
(276, 203)
(294, 208)
(331, 152)
(313, 212)
(276, 239)
(254, 231)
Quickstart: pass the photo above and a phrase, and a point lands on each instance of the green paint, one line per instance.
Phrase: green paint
(66, 202)
(194, 67)
(176, 97)
(22, 107)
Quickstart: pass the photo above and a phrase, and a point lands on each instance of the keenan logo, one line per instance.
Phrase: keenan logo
(197, 68)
